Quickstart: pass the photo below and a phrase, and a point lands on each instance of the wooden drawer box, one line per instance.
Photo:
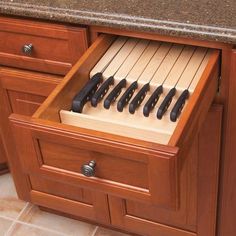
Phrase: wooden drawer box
(128, 167)
(55, 48)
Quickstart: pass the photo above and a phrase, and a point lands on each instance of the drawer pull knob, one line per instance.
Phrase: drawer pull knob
(27, 49)
(89, 169)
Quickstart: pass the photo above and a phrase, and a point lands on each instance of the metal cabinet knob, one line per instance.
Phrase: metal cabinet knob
(89, 169)
(27, 49)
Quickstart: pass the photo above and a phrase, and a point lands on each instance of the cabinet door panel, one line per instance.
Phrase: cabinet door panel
(25, 91)
(20, 92)
(198, 192)
(74, 200)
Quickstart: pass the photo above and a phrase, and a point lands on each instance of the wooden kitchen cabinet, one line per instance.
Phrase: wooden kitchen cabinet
(152, 188)
(143, 187)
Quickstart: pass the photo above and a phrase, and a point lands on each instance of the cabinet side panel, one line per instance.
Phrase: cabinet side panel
(227, 210)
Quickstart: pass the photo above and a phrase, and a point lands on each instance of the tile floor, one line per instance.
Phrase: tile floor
(18, 218)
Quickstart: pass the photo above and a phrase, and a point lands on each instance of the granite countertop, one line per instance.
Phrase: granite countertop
(213, 20)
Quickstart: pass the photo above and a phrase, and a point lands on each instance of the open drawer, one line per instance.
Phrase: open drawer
(126, 166)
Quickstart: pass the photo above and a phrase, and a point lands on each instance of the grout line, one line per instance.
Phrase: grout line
(95, 231)
(10, 229)
(37, 227)
(18, 221)
(12, 226)
(22, 211)
(7, 218)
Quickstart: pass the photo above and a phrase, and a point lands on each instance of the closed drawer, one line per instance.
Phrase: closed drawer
(130, 166)
(38, 46)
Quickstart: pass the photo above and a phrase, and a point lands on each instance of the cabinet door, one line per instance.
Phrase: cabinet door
(69, 199)
(25, 91)
(198, 193)
(20, 92)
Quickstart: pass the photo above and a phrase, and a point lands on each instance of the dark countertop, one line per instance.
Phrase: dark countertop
(213, 20)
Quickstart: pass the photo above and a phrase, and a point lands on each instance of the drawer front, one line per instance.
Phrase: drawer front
(120, 169)
(54, 48)
(69, 199)
(128, 167)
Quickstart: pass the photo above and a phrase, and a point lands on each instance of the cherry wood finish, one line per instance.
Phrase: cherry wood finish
(2, 153)
(155, 168)
(199, 219)
(26, 91)
(199, 186)
(26, 87)
(85, 203)
(226, 222)
(55, 47)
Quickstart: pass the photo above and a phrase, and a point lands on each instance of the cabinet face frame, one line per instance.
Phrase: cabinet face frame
(208, 44)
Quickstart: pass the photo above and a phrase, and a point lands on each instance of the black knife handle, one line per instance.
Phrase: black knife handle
(114, 94)
(86, 93)
(123, 101)
(179, 105)
(152, 101)
(137, 100)
(101, 92)
(166, 103)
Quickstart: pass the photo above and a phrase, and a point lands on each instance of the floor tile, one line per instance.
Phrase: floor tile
(25, 230)
(4, 226)
(107, 232)
(33, 215)
(10, 205)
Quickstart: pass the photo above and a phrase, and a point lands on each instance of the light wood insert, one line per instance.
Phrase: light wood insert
(147, 62)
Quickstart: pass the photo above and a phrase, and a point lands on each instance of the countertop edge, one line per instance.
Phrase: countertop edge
(126, 22)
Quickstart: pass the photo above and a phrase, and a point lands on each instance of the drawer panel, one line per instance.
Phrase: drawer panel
(55, 48)
(69, 199)
(154, 167)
